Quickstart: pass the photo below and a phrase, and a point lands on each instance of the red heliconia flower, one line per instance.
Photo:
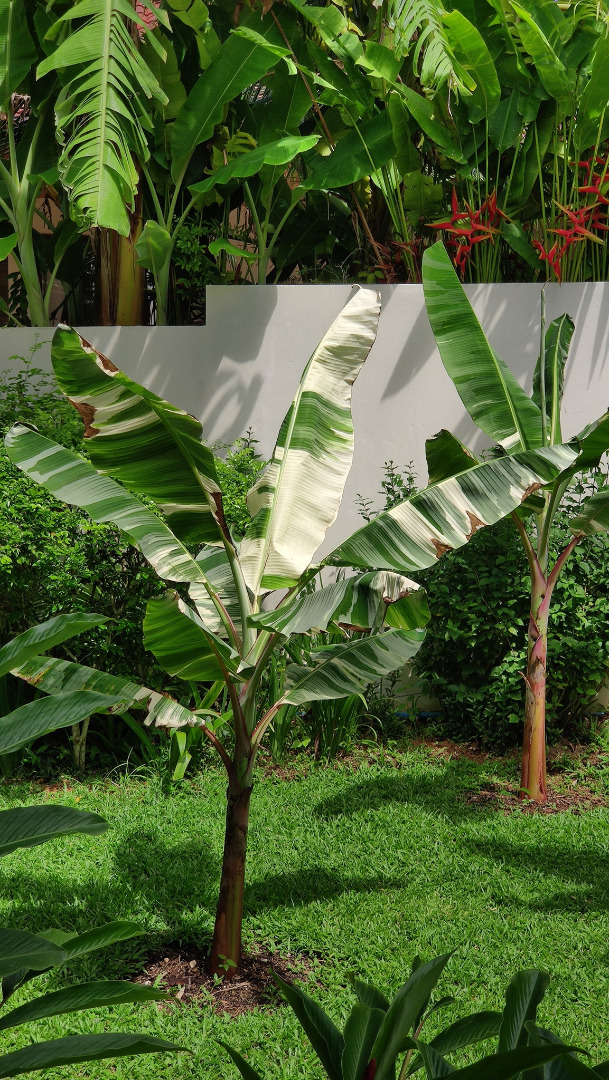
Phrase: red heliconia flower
(370, 1070)
(480, 226)
(552, 257)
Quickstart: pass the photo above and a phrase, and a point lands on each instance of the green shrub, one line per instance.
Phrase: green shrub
(475, 649)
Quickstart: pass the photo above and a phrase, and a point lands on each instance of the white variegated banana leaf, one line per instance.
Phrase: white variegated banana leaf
(416, 532)
(340, 670)
(490, 392)
(72, 479)
(43, 636)
(54, 676)
(359, 603)
(556, 352)
(183, 645)
(297, 497)
(150, 446)
(218, 572)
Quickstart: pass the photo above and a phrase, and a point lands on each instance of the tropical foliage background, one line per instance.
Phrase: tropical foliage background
(149, 149)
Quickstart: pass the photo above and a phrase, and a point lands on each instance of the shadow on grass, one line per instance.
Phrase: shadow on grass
(566, 876)
(308, 885)
(442, 792)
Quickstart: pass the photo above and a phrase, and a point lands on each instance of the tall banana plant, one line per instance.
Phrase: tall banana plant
(516, 421)
(248, 597)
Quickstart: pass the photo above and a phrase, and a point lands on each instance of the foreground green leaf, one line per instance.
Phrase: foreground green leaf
(78, 1048)
(28, 826)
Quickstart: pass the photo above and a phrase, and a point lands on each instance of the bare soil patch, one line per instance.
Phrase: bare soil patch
(504, 797)
(183, 970)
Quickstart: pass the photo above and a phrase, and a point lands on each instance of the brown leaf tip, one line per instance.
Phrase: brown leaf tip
(475, 523)
(532, 488)
(441, 548)
(87, 413)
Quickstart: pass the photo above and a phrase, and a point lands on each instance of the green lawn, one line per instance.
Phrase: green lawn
(362, 867)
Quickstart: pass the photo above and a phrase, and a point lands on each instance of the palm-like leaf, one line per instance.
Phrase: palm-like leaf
(297, 497)
(102, 110)
(488, 389)
(141, 440)
(593, 515)
(37, 718)
(182, 643)
(433, 61)
(17, 50)
(416, 532)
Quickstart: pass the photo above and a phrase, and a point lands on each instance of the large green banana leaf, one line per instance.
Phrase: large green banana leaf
(141, 440)
(593, 515)
(92, 995)
(593, 443)
(28, 826)
(446, 456)
(556, 352)
(337, 671)
(470, 49)
(17, 49)
(360, 603)
(416, 532)
(23, 725)
(488, 389)
(43, 636)
(55, 676)
(102, 111)
(182, 643)
(74, 1049)
(73, 480)
(20, 949)
(297, 497)
(239, 63)
(360, 153)
(279, 152)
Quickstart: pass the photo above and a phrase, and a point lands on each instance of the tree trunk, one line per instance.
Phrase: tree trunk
(225, 957)
(120, 277)
(533, 777)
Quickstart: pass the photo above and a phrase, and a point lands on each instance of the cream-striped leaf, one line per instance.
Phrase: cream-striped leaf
(490, 392)
(73, 480)
(297, 497)
(340, 670)
(150, 446)
(55, 676)
(217, 569)
(360, 603)
(416, 532)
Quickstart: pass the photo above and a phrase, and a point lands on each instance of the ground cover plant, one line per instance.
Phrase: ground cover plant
(360, 868)
(227, 634)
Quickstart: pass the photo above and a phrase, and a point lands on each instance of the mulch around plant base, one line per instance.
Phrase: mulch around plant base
(183, 971)
(504, 797)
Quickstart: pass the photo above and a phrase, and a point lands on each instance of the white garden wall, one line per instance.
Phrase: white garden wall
(242, 368)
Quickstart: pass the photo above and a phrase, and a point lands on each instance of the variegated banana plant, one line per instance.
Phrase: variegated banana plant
(516, 422)
(245, 599)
